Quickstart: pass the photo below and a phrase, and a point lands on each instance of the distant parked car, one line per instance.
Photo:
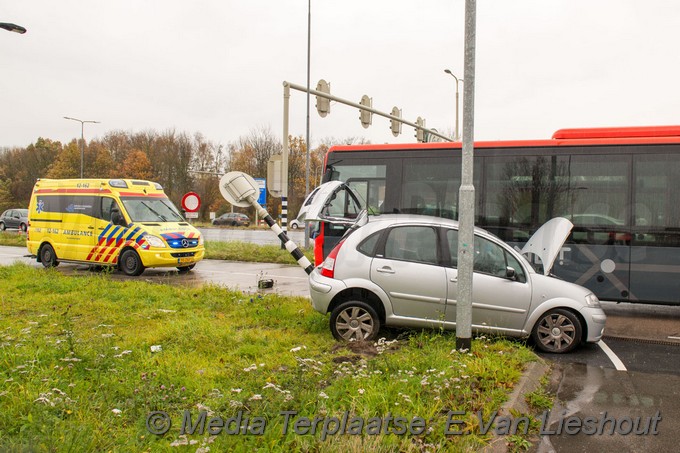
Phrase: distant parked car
(15, 219)
(232, 219)
(295, 224)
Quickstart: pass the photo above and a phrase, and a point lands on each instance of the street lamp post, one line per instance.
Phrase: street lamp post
(309, 42)
(13, 27)
(82, 139)
(457, 136)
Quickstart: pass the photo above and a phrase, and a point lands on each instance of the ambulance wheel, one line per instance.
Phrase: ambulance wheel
(130, 263)
(185, 269)
(48, 257)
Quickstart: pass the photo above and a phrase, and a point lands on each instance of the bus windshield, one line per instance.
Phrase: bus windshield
(144, 209)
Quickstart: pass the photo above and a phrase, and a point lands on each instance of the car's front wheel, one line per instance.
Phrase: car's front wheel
(355, 320)
(185, 269)
(2, 226)
(557, 331)
(130, 263)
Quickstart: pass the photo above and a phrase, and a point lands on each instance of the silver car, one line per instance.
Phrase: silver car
(400, 270)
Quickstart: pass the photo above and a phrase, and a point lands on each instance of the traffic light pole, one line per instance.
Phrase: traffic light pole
(287, 86)
(418, 125)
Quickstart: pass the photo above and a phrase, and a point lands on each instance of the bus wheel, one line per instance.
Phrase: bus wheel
(355, 320)
(557, 331)
(185, 269)
(130, 263)
(48, 257)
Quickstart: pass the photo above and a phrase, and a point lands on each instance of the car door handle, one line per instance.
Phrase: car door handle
(90, 228)
(453, 279)
(385, 270)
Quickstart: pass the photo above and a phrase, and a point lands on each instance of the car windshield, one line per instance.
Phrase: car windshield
(144, 209)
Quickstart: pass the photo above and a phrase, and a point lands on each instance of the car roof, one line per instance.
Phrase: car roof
(417, 219)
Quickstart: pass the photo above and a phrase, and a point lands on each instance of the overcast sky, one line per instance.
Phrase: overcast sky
(218, 66)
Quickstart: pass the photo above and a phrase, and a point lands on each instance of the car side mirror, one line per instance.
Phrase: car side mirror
(117, 218)
(510, 273)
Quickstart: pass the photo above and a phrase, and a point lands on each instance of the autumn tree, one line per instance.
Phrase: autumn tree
(67, 163)
(136, 166)
(208, 164)
(97, 162)
(250, 155)
(297, 162)
(21, 167)
(7, 200)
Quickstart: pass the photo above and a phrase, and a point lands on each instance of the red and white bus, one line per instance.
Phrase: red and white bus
(620, 187)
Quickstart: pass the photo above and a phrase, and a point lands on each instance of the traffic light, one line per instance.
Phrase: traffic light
(420, 133)
(394, 124)
(323, 105)
(365, 116)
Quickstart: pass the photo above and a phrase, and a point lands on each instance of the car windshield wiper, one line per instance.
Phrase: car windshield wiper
(172, 211)
(160, 216)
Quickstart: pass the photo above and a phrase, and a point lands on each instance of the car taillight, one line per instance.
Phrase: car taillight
(328, 265)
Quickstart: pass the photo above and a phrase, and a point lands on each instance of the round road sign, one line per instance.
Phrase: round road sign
(191, 202)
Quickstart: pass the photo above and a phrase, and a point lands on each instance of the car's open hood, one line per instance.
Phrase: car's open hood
(547, 241)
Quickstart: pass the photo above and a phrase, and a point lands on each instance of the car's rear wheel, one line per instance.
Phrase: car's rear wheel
(130, 263)
(355, 320)
(23, 227)
(557, 331)
(47, 256)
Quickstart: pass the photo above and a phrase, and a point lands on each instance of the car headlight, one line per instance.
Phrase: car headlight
(592, 301)
(155, 241)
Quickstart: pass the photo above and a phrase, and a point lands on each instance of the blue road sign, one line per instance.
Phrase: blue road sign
(262, 183)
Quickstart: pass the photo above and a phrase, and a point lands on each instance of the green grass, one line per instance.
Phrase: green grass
(79, 370)
(12, 238)
(245, 251)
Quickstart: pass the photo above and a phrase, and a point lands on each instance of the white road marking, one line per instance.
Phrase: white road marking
(618, 364)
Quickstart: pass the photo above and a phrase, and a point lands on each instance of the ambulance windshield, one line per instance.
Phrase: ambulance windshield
(145, 209)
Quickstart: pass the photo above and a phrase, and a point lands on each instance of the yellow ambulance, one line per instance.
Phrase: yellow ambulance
(125, 223)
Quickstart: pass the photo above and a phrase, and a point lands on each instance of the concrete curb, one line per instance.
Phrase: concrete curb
(530, 381)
